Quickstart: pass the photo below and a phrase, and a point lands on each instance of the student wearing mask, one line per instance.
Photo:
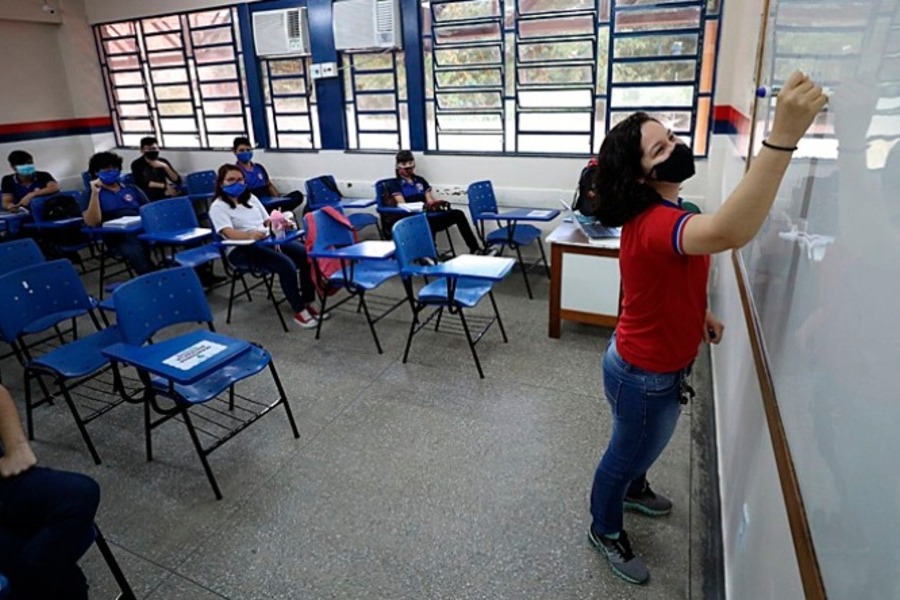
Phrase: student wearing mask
(407, 186)
(46, 518)
(664, 263)
(257, 178)
(110, 200)
(237, 214)
(156, 176)
(25, 183)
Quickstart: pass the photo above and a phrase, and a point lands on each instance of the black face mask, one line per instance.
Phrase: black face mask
(677, 168)
(151, 154)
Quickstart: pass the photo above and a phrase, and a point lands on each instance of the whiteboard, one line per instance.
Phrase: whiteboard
(824, 277)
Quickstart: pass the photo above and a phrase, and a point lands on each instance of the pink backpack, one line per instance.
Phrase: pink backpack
(325, 266)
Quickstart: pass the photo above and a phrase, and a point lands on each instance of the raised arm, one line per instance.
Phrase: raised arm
(745, 210)
(93, 216)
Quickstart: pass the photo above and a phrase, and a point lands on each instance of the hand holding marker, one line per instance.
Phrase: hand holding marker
(771, 91)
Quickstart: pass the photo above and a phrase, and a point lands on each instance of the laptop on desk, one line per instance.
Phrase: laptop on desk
(591, 227)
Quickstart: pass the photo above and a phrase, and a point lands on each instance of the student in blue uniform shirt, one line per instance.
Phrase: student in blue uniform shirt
(26, 182)
(111, 200)
(257, 178)
(155, 175)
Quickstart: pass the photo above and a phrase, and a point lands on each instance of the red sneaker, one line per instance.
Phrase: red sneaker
(315, 313)
(305, 320)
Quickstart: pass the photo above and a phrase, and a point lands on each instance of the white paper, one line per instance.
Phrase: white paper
(192, 356)
(122, 222)
(540, 213)
(412, 206)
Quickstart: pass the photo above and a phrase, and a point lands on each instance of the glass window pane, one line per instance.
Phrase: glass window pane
(469, 78)
(376, 102)
(209, 37)
(117, 63)
(473, 100)
(658, 45)
(474, 143)
(134, 110)
(373, 62)
(177, 125)
(214, 72)
(160, 24)
(288, 86)
(214, 54)
(184, 141)
(658, 19)
(127, 78)
(580, 25)
(124, 46)
(175, 108)
(556, 75)
(377, 81)
(543, 6)
(291, 105)
(130, 94)
(166, 59)
(212, 17)
(136, 125)
(295, 140)
(459, 11)
(709, 58)
(168, 75)
(682, 70)
(555, 144)
(166, 41)
(219, 124)
(114, 30)
(486, 55)
(454, 122)
(556, 99)
(674, 95)
(220, 90)
(483, 32)
(172, 92)
(575, 122)
(379, 122)
(674, 120)
(286, 67)
(379, 141)
(223, 107)
(556, 51)
(132, 140)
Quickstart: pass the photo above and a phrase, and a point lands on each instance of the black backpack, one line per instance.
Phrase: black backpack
(61, 207)
(584, 201)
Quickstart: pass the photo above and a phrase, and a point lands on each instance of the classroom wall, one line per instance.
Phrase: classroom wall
(104, 11)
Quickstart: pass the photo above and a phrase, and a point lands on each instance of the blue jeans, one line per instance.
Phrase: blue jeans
(287, 264)
(46, 525)
(645, 408)
(132, 249)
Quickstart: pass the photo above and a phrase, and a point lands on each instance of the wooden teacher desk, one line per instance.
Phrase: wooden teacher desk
(584, 279)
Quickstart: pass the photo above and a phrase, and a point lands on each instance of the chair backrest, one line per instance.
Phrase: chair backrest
(481, 199)
(19, 253)
(322, 191)
(201, 182)
(86, 180)
(412, 237)
(62, 205)
(381, 193)
(157, 300)
(127, 179)
(329, 232)
(169, 214)
(39, 290)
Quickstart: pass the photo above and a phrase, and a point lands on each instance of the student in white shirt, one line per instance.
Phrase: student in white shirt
(236, 214)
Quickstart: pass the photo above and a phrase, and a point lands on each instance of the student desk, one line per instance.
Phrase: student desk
(584, 280)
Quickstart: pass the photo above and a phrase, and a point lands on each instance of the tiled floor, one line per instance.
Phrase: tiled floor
(408, 481)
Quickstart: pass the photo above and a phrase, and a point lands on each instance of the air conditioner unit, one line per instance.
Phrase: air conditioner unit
(367, 24)
(281, 32)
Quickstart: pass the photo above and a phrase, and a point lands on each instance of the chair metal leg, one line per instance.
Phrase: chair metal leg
(201, 453)
(450, 241)
(113, 565)
(84, 433)
(284, 399)
(440, 314)
(148, 425)
(29, 416)
(524, 271)
(365, 307)
(231, 299)
(322, 304)
(268, 281)
(462, 317)
(412, 332)
(497, 314)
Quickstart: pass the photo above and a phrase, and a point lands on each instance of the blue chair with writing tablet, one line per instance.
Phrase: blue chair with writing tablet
(510, 233)
(192, 375)
(37, 297)
(453, 289)
(323, 191)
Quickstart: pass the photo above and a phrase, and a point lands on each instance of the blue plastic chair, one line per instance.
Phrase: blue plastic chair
(201, 185)
(323, 191)
(152, 303)
(36, 298)
(61, 237)
(511, 235)
(417, 256)
(171, 223)
(357, 278)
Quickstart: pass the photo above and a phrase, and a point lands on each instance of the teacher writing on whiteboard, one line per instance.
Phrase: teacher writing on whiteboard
(664, 264)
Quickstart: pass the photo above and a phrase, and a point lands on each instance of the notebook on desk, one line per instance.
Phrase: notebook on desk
(591, 227)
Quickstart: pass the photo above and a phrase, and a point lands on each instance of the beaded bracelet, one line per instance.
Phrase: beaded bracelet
(781, 148)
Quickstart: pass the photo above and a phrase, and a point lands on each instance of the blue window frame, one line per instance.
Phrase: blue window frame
(375, 100)
(552, 76)
(290, 100)
(177, 77)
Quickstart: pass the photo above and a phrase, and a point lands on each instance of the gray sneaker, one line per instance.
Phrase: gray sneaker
(621, 559)
(649, 503)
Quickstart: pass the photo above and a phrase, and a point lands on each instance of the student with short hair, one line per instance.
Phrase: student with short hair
(25, 183)
(237, 214)
(155, 175)
(110, 199)
(407, 186)
(257, 178)
(46, 518)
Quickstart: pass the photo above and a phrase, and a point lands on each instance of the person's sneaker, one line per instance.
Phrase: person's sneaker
(648, 503)
(305, 320)
(315, 313)
(490, 251)
(621, 559)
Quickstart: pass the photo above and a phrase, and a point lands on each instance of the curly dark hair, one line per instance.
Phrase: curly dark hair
(104, 160)
(219, 194)
(620, 194)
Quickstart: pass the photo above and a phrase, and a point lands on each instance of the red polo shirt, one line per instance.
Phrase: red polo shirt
(664, 292)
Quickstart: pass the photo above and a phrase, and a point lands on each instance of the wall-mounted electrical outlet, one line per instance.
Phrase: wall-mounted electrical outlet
(316, 71)
(329, 69)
